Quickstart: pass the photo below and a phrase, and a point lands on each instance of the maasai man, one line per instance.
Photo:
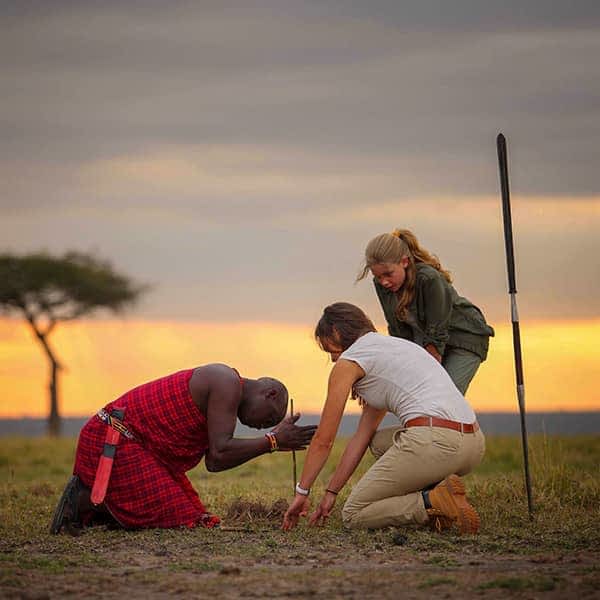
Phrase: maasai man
(132, 457)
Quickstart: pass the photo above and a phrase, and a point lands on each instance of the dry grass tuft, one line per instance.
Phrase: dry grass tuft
(245, 511)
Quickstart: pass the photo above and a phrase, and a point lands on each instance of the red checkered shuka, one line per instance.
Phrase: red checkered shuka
(148, 486)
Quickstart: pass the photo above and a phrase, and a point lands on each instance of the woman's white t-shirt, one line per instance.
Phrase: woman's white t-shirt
(405, 379)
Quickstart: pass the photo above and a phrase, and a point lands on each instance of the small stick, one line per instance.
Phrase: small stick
(293, 451)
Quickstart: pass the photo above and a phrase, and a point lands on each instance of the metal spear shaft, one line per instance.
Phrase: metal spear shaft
(294, 481)
(512, 290)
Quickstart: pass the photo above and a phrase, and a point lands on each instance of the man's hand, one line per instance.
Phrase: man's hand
(293, 437)
(298, 508)
(322, 512)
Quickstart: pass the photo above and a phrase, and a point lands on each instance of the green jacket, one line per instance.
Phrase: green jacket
(437, 315)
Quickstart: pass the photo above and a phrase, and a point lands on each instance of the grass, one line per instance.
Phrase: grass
(306, 561)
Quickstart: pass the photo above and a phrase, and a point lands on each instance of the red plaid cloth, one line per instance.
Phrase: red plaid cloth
(148, 486)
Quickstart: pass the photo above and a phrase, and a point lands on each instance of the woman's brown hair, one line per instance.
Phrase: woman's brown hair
(392, 248)
(342, 323)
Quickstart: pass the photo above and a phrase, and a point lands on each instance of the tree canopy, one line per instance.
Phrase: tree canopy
(46, 289)
(62, 288)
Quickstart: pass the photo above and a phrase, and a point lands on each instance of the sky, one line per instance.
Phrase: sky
(238, 156)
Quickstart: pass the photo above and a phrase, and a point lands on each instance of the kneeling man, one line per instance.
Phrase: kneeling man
(132, 457)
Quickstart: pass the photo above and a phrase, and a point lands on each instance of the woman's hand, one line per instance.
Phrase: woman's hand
(322, 512)
(298, 508)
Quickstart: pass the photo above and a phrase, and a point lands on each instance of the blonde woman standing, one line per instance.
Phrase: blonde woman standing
(420, 304)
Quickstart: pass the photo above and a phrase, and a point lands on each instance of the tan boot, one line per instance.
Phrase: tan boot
(448, 500)
(438, 522)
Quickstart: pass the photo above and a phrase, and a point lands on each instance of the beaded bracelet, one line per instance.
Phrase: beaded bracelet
(272, 441)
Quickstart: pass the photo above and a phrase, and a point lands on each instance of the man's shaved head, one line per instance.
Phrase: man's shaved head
(264, 403)
(277, 393)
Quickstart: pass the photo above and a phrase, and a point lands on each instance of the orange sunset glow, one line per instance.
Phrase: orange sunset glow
(104, 358)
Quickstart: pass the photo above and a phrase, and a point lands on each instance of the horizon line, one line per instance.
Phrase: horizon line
(479, 412)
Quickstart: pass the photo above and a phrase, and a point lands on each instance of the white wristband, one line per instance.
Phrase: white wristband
(301, 490)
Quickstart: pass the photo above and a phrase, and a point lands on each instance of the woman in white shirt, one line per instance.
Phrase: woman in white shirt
(416, 475)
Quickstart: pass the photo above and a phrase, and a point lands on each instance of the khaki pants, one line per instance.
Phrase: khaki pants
(408, 461)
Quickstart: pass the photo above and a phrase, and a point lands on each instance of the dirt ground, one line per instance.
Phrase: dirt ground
(553, 554)
(261, 561)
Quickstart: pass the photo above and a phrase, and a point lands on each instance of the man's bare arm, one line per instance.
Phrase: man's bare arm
(226, 451)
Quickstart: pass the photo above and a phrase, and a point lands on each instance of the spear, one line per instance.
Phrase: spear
(512, 290)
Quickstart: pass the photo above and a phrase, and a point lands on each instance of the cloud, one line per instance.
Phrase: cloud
(243, 259)
(239, 155)
(92, 83)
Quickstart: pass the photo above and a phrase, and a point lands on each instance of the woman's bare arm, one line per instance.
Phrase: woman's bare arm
(342, 377)
(355, 450)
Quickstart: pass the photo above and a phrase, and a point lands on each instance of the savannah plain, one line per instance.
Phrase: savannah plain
(555, 555)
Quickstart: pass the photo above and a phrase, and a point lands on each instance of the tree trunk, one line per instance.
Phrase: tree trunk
(54, 424)
(54, 420)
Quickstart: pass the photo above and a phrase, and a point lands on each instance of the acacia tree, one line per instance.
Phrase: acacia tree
(45, 290)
